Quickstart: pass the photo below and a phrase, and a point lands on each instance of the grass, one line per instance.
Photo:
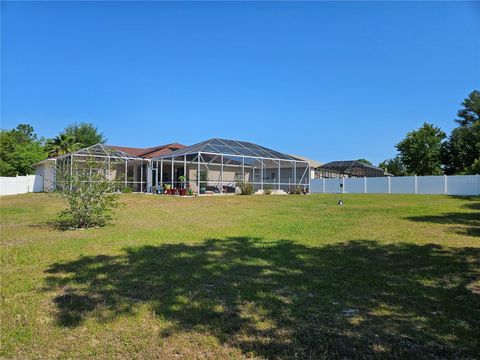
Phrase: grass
(292, 277)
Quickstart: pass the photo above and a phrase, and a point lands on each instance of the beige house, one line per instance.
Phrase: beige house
(214, 166)
(315, 172)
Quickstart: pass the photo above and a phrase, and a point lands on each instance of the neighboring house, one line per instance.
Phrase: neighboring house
(349, 168)
(315, 172)
(212, 166)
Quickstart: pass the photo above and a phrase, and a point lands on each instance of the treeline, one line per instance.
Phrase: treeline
(428, 150)
(20, 148)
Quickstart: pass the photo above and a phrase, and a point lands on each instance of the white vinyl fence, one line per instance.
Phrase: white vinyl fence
(448, 185)
(20, 184)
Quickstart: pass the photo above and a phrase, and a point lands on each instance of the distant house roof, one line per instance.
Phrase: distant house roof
(352, 168)
(148, 153)
(313, 163)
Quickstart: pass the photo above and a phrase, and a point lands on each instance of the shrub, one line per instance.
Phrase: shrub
(127, 190)
(89, 194)
(267, 189)
(296, 191)
(245, 188)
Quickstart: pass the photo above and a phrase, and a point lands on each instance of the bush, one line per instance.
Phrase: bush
(245, 188)
(89, 194)
(267, 189)
(127, 190)
(296, 191)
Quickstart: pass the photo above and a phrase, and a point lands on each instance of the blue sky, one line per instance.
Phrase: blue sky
(325, 80)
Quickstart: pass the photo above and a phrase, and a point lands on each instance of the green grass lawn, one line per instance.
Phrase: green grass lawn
(276, 277)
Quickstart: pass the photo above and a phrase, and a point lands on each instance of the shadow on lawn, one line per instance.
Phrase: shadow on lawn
(468, 223)
(285, 300)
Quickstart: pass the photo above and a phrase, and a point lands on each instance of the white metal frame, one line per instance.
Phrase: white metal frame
(109, 156)
(199, 160)
(113, 156)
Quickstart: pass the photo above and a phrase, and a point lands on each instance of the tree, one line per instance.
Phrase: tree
(365, 161)
(420, 151)
(462, 148)
(394, 166)
(475, 168)
(85, 134)
(89, 194)
(19, 150)
(62, 144)
(470, 113)
(74, 137)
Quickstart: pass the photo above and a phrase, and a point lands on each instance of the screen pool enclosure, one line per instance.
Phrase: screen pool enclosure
(350, 168)
(214, 166)
(217, 166)
(122, 169)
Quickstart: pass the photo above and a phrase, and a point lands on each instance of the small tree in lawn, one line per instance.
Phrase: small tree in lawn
(89, 193)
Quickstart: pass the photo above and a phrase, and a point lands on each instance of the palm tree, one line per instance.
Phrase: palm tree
(62, 144)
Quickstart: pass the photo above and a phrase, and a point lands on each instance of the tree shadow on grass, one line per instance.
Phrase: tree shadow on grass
(281, 299)
(467, 223)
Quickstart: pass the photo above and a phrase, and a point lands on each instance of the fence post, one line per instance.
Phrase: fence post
(323, 185)
(415, 183)
(343, 187)
(389, 184)
(445, 186)
(364, 184)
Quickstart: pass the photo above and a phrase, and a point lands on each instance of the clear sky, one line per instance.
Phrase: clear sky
(325, 80)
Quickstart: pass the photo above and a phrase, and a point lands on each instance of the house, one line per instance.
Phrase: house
(315, 172)
(213, 166)
(349, 168)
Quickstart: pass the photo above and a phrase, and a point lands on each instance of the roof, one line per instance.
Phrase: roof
(102, 150)
(120, 152)
(148, 153)
(347, 164)
(313, 163)
(98, 150)
(45, 161)
(231, 148)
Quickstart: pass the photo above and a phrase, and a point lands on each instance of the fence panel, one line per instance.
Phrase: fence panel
(332, 185)
(402, 185)
(463, 185)
(377, 185)
(431, 184)
(316, 186)
(20, 185)
(355, 185)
